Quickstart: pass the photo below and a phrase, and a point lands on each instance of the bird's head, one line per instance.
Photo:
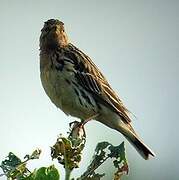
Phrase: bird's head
(53, 35)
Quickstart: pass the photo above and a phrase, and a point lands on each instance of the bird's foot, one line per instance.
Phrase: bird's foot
(77, 129)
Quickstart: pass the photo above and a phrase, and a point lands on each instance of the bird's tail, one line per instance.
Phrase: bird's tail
(132, 137)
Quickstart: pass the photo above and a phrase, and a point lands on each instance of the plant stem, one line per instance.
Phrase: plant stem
(67, 173)
(67, 170)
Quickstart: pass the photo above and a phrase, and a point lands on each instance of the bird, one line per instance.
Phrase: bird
(76, 86)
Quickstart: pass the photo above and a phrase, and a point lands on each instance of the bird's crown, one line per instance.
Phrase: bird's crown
(51, 22)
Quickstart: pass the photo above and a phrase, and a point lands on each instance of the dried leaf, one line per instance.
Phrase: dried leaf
(35, 155)
(68, 150)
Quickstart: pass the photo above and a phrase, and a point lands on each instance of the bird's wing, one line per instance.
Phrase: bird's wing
(90, 78)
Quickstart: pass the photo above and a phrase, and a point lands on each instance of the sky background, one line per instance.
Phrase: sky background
(134, 43)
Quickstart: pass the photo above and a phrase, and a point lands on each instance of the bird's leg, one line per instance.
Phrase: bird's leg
(88, 119)
(77, 128)
(74, 123)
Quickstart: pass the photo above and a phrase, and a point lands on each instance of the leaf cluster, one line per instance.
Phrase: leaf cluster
(68, 152)
(15, 169)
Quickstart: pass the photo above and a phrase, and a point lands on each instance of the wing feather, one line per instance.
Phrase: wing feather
(90, 78)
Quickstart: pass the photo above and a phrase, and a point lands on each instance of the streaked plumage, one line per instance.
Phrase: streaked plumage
(76, 86)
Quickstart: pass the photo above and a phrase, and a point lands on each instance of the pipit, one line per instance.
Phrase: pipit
(76, 86)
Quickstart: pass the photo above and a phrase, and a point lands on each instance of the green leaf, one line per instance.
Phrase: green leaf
(104, 151)
(10, 163)
(120, 160)
(14, 168)
(49, 173)
(44, 173)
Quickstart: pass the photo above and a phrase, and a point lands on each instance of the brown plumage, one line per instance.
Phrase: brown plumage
(76, 86)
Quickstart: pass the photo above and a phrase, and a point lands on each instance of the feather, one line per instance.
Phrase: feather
(91, 79)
